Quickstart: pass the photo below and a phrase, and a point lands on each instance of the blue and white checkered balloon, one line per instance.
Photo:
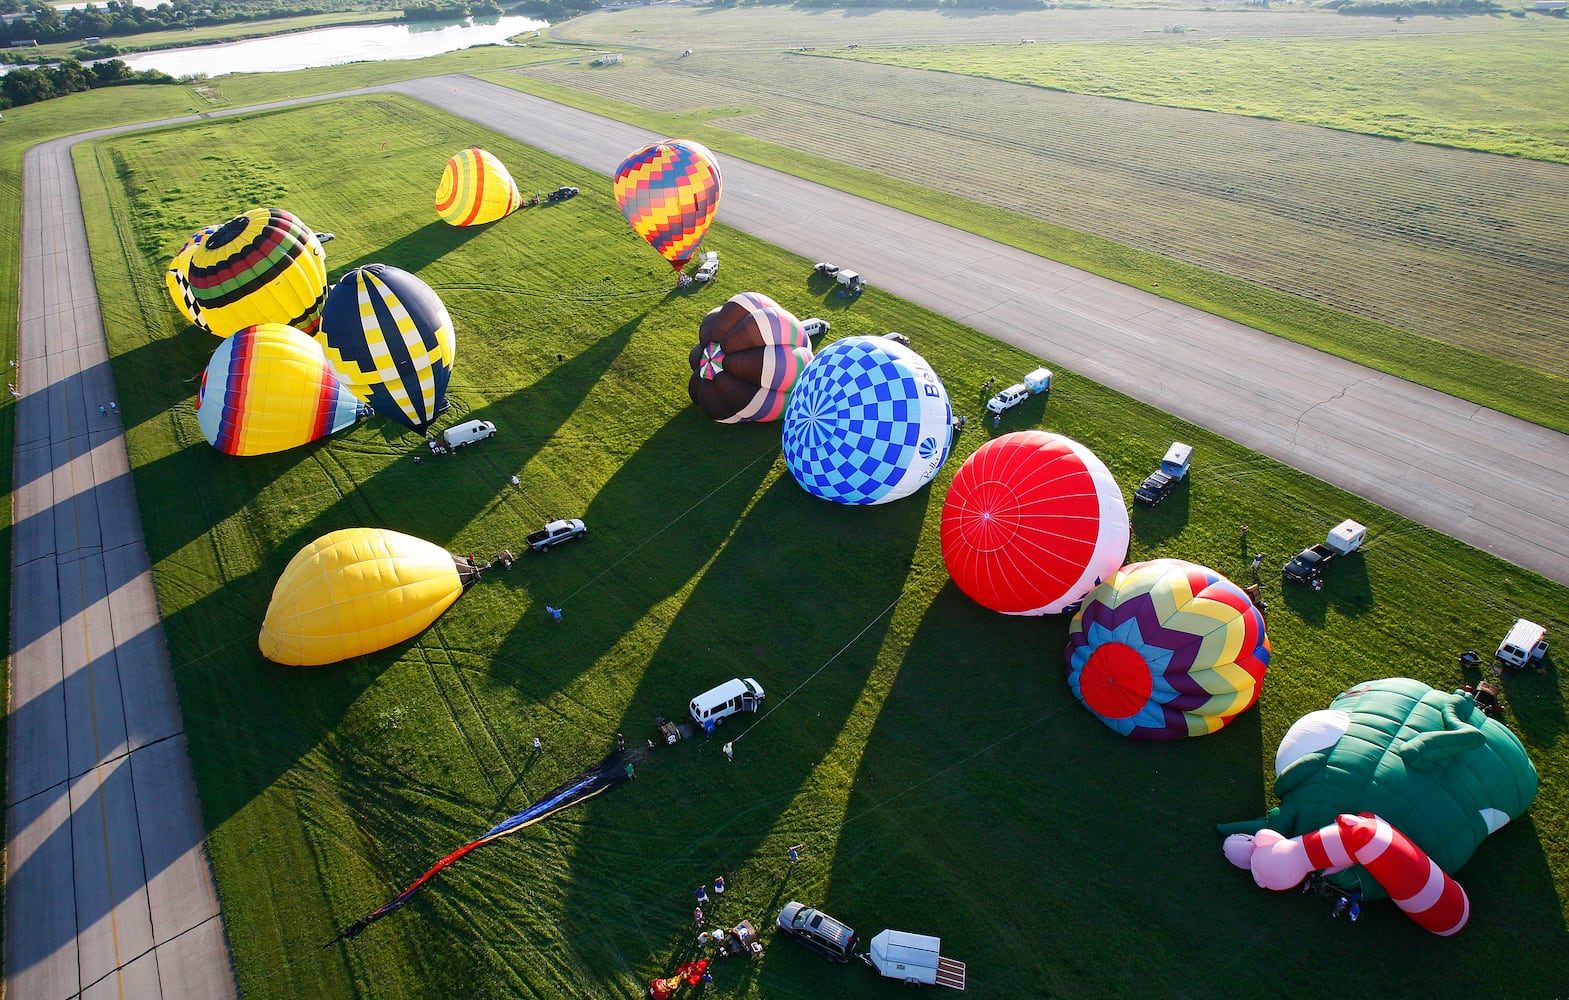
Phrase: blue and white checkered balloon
(868, 422)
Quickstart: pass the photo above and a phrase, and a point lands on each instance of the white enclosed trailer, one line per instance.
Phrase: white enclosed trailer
(914, 959)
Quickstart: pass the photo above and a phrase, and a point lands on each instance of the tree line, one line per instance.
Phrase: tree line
(26, 85)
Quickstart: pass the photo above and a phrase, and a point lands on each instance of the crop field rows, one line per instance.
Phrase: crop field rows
(1458, 247)
(705, 29)
(1479, 91)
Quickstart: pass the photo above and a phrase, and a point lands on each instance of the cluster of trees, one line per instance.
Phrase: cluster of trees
(121, 17)
(29, 86)
(450, 11)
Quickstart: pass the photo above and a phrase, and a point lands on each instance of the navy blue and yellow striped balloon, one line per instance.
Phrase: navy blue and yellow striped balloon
(391, 340)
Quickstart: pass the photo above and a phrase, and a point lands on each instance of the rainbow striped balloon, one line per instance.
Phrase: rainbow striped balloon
(475, 189)
(269, 388)
(265, 266)
(669, 192)
(1167, 649)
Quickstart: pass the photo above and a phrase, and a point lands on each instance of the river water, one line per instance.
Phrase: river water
(333, 46)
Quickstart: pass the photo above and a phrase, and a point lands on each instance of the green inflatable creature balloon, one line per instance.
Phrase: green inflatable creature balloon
(1432, 764)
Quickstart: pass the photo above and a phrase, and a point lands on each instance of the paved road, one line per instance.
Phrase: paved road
(108, 886)
(108, 889)
(1490, 480)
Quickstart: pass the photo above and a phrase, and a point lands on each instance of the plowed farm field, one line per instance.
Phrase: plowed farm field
(1451, 245)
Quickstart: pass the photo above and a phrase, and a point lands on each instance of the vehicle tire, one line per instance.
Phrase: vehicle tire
(491, 434)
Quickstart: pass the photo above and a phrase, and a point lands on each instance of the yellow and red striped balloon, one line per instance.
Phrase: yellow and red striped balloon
(475, 189)
(669, 192)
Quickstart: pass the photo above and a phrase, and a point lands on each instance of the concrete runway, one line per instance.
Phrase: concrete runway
(108, 888)
(109, 891)
(1492, 481)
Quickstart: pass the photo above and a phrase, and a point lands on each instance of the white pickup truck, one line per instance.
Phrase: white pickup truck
(708, 267)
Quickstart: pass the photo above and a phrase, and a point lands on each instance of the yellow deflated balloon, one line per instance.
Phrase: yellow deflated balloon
(475, 189)
(357, 590)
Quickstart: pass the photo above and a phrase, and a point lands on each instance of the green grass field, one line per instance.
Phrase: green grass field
(1428, 87)
(926, 752)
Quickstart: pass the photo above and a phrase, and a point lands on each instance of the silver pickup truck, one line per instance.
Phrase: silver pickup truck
(554, 534)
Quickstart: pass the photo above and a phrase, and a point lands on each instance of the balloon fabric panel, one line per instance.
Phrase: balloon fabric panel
(868, 422)
(749, 355)
(1032, 521)
(175, 279)
(355, 591)
(391, 339)
(475, 189)
(269, 388)
(1432, 764)
(264, 266)
(669, 192)
(1167, 649)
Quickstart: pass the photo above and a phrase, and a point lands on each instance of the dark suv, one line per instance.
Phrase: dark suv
(818, 931)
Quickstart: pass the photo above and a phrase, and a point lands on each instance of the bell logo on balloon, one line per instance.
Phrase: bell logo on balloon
(391, 339)
(264, 266)
(1032, 522)
(1167, 649)
(269, 388)
(856, 422)
(749, 355)
(669, 192)
(475, 189)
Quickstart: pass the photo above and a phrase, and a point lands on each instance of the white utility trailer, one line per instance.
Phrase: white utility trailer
(914, 959)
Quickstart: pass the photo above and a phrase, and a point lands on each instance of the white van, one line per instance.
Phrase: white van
(734, 695)
(468, 433)
(815, 327)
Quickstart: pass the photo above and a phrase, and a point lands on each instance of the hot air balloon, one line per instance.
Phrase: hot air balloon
(1167, 649)
(475, 189)
(749, 353)
(868, 422)
(174, 278)
(391, 340)
(1032, 522)
(269, 388)
(357, 590)
(669, 192)
(1431, 764)
(264, 266)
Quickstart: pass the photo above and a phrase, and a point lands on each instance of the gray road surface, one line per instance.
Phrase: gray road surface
(1490, 480)
(108, 887)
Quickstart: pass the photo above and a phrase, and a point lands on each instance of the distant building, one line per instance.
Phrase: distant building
(25, 43)
(91, 40)
(1550, 6)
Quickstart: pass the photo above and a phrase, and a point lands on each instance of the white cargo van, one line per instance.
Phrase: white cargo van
(815, 327)
(468, 433)
(734, 695)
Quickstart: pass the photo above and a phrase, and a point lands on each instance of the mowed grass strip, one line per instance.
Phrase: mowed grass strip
(925, 751)
(1436, 265)
(1479, 91)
